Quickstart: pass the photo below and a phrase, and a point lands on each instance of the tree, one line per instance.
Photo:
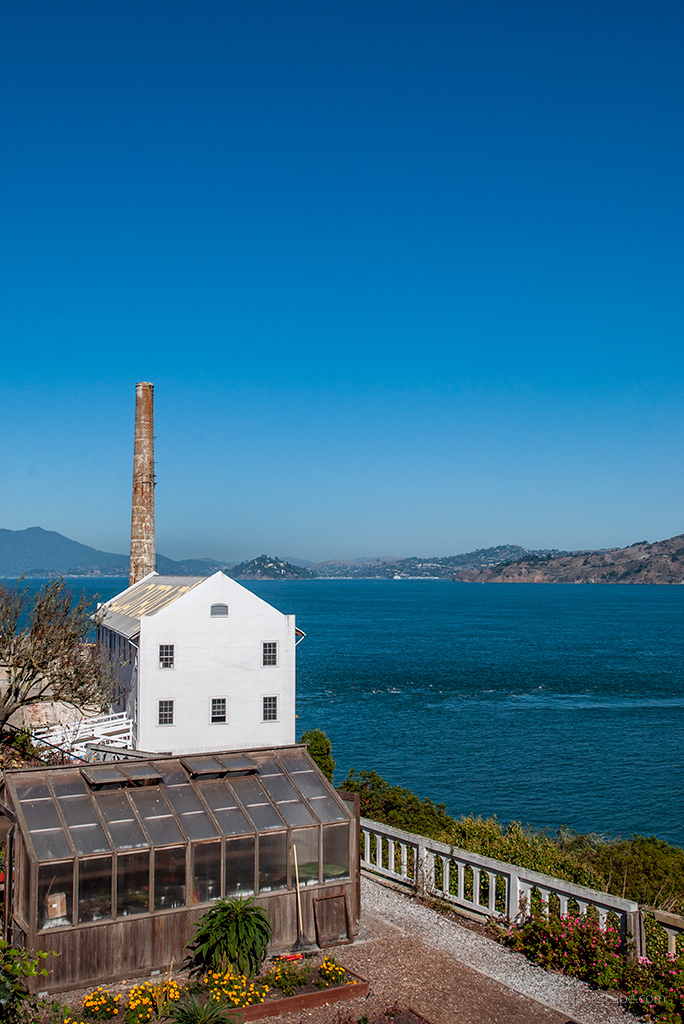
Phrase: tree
(320, 749)
(45, 653)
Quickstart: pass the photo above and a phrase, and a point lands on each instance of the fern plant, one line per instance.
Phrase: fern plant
(237, 931)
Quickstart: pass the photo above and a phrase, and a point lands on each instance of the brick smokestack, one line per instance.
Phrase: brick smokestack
(143, 556)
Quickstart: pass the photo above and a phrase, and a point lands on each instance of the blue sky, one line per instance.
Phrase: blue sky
(407, 276)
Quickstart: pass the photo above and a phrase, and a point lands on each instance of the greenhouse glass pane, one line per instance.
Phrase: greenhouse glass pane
(89, 839)
(240, 866)
(326, 808)
(206, 872)
(335, 852)
(94, 889)
(78, 810)
(257, 804)
(41, 814)
(55, 894)
(191, 812)
(169, 878)
(51, 844)
(133, 884)
(224, 807)
(35, 788)
(161, 825)
(272, 862)
(120, 819)
(306, 842)
(68, 783)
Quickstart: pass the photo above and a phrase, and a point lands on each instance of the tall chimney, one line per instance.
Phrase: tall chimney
(143, 560)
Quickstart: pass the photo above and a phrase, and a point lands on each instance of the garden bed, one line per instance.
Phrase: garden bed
(354, 987)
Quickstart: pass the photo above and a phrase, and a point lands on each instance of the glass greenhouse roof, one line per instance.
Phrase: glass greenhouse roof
(134, 805)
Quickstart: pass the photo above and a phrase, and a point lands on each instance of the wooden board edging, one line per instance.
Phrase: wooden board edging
(358, 989)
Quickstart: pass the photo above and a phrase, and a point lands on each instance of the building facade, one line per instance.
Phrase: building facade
(203, 664)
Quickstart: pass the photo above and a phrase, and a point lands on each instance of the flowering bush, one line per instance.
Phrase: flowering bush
(330, 973)
(288, 977)
(656, 989)
(148, 1000)
(101, 1004)
(233, 988)
(575, 945)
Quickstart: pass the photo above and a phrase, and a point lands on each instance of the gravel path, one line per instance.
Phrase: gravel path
(569, 998)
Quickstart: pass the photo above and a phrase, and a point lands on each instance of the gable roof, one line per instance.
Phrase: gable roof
(147, 597)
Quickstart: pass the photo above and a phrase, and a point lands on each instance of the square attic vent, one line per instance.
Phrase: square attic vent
(227, 764)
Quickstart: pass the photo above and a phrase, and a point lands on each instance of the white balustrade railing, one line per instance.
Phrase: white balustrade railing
(115, 729)
(482, 885)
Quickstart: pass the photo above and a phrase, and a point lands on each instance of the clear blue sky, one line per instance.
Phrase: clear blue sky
(408, 277)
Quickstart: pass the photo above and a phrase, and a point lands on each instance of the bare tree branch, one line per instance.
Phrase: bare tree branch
(46, 653)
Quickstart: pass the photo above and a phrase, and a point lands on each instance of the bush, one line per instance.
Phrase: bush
(235, 931)
(320, 749)
(642, 868)
(16, 1002)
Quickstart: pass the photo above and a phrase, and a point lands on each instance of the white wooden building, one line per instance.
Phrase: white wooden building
(205, 664)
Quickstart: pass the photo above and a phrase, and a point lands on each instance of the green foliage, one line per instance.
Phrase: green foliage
(237, 931)
(320, 749)
(641, 868)
(16, 1002)
(193, 1010)
(397, 806)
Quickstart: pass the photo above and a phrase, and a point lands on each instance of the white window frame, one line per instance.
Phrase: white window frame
(270, 654)
(162, 657)
(270, 697)
(216, 614)
(165, 725)
(211, 711)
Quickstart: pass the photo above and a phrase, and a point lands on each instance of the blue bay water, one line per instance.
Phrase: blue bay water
(550, 704)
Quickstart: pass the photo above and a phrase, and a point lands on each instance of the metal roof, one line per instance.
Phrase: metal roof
(149, 596)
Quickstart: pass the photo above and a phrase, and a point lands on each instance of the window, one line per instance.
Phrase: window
(269, 654)
(219, 710)
(219, 611)
(165, 655)
(165, 712)
(270, 709)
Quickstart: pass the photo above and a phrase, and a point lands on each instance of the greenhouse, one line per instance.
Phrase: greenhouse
(109, 865)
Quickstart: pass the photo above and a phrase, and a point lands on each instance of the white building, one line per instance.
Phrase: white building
(206, 664)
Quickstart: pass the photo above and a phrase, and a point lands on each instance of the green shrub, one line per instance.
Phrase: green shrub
(16, 1002)
(642, 868)
(198, 1011)
(320, 749)
(235, 931)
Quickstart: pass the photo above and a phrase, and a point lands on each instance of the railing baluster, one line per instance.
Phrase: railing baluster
(476, 887)
(492, 892)
(445, 875)
(404, 861)
(390, 856)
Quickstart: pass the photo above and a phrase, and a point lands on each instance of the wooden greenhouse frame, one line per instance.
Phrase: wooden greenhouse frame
(109, 865)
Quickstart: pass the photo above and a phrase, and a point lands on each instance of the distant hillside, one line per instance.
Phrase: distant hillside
(661, 562)
(267, 568)
(434, 568)
(39, 553)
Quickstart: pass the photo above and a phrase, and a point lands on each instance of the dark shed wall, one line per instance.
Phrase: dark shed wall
(134, 947)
